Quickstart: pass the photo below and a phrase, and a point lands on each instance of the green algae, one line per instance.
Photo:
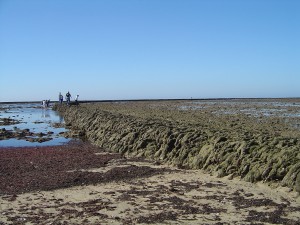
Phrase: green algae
(254, 149)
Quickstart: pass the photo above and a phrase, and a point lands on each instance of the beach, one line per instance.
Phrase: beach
(149, 112)
(81, 184)
(160, 162)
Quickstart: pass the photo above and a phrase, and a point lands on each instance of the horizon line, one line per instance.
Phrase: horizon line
(157, 99)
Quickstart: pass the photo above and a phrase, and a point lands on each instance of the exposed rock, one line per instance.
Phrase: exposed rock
(255, 149)
(8, 121)
(297, 185)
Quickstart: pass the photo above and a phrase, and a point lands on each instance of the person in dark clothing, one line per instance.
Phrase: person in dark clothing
(60, 98)
(68, 98)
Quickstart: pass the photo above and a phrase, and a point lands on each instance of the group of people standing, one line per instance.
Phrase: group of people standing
(68, 98)
(46, 103)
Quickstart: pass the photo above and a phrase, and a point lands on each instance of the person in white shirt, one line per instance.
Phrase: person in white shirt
(76, 100)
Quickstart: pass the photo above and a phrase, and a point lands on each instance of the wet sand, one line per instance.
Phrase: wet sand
(82, 184)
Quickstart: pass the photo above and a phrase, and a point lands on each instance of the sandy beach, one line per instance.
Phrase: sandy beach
(83, 184)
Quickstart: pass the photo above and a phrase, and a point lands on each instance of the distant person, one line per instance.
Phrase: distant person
(60, 98)
(68, 98)
(47, 103)
(76, 100)
(44, 103)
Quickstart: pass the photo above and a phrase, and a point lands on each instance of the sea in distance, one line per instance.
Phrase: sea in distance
(31, 124)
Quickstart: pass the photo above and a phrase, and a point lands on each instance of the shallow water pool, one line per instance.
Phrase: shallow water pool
(36, 119)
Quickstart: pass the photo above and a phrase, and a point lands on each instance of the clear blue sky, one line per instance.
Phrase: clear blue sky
(136, 49)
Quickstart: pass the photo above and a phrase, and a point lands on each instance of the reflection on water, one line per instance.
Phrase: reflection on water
(35, 118)
(60, 118)
(46, 113)
(22, 143)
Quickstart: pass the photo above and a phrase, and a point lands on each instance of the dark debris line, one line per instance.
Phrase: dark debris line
(48, 168)
(36, 169)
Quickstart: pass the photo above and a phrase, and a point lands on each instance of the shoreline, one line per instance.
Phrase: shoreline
(83, 184)
(158, 100)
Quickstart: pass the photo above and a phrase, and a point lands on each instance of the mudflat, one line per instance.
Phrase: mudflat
(82, 184)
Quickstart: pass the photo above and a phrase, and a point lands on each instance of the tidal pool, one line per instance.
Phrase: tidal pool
(35, 120)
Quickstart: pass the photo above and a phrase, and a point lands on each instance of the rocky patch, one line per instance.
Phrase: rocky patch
(8, 121)
(234, 143)
(25, 134)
